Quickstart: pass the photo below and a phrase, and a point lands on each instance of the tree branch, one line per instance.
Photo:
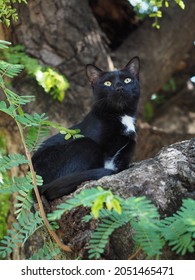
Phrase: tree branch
(165, 179)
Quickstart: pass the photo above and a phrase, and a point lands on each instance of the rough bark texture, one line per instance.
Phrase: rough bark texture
(151, 139)
(161, 51)
(66, 35)
(165, 179)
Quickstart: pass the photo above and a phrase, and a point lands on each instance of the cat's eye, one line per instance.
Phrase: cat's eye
(107, 83)
(127, 80)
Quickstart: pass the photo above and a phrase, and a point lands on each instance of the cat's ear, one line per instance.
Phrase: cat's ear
(133, 66)
(93, 73)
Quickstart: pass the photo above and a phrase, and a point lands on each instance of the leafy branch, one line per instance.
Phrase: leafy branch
(153, 8)
(49, 79)
(24, 121)
(8, 12)
(150, 232)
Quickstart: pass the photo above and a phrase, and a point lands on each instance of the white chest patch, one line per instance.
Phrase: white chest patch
(128, 123)
(110, 163)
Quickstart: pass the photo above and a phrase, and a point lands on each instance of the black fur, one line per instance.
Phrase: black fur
(66, 164)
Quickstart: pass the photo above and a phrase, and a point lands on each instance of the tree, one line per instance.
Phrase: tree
(49, 31)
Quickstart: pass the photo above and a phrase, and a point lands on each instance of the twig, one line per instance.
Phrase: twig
(132, 257)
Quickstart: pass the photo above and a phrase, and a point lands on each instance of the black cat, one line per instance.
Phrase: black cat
(109, 135)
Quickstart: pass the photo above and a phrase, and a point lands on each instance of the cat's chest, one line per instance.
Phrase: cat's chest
(128, 124)
(127, 128)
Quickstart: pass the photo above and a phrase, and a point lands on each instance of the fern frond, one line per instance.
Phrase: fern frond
(35, 137)
(86, 198)
(25, 202)
(10, 161)
(16, 184)
(29, 121)
(100, 236)
(148, 237)
(8, 12)
(10, 110)
(4, 44)
(10, 70)
(49, 251)
(141, 208)
(144, 219)
(179, 229)
(27, 224)
(16, 99)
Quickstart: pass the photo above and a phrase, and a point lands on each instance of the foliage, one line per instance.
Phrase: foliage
(28, 223)
(153, 8)
(8, 12)
(142, 215)
(179, 230)
(4, 209)
(150, 233)
(49, 251)
(95, 198)
(4, 198)
(32, 129)
(50, 80)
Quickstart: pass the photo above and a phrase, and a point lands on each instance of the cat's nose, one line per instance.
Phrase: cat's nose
(119, 89)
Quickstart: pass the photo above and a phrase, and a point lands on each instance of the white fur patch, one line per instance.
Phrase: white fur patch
(128, 123)
(110, 163)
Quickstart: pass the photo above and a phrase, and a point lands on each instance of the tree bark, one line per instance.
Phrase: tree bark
(65, 34)
(165, 179)
(160, 51)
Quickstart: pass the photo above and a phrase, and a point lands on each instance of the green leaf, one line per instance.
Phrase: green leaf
(28, 223)
(68, 136)
(48, 251)
(10, 161)
(4, 44)
(181, 4)
(35, 136)
(9, 185)
(10, 110)
(179, 229)
(86, 198)
(116, 206)
(100, 236)
(18, 100)
(10, 70)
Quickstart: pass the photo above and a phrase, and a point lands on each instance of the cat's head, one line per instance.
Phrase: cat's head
(116, 91)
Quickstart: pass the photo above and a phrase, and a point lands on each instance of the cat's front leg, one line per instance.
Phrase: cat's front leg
(125, 156)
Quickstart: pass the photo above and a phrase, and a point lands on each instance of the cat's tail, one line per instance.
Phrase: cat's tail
(68, 184)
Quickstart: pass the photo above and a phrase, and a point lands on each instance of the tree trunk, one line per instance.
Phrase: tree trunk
(160, 51)
(65, 34)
